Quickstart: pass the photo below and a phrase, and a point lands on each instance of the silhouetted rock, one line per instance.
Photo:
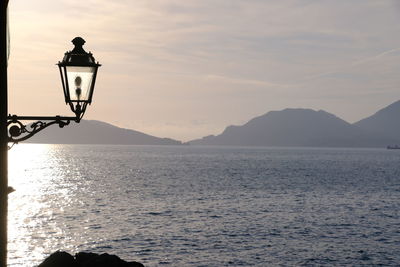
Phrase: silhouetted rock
(103, 260)
(59, 259)
(86, 259)
(83, 257)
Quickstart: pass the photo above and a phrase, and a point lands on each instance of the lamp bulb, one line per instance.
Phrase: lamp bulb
(78, 81)
(78, 90)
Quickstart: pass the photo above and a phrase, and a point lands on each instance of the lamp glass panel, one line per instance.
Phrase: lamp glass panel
(80, 82)
(63, 81)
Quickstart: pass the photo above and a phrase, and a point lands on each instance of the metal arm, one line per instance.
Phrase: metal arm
(16, 128)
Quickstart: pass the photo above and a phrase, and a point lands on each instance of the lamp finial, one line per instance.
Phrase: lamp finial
(78, 43)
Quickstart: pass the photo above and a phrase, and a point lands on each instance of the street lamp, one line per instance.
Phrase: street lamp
(78, 71)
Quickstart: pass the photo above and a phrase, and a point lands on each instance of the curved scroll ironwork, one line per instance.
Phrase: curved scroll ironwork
(18, 131)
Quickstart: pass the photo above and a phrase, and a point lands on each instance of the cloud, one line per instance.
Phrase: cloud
(376, 57)
(248, 82)
(355, 64)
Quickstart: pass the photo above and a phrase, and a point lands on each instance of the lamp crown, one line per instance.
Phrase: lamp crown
(78, 43)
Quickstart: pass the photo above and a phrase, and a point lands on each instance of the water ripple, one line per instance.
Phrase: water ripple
(197, 206)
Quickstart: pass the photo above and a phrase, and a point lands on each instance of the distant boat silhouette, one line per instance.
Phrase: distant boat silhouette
(393, 147)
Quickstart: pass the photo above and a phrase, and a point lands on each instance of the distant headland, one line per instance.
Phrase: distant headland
(98, 132)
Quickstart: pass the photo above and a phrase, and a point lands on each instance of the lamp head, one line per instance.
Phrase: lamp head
(78, 71)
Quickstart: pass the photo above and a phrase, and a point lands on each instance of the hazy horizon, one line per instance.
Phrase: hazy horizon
(188, 69)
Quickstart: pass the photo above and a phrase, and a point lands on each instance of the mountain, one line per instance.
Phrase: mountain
(97, 132)
(385, 122)
(295, 127)
(288, 127)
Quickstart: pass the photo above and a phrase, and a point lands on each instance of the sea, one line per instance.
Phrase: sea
(206, 206)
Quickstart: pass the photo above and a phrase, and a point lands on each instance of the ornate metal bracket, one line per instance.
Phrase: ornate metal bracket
(18, 131)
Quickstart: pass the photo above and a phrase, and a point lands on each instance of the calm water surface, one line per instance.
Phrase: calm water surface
(206, 206)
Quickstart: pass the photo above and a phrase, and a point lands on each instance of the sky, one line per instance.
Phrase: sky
(187, 69)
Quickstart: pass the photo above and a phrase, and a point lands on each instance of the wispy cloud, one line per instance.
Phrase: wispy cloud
(354, 64)
(248, 82)
(376, 57)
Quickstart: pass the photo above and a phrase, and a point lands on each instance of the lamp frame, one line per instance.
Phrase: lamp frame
(77, 57)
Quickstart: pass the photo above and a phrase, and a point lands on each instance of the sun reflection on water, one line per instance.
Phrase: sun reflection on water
(33, 171)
